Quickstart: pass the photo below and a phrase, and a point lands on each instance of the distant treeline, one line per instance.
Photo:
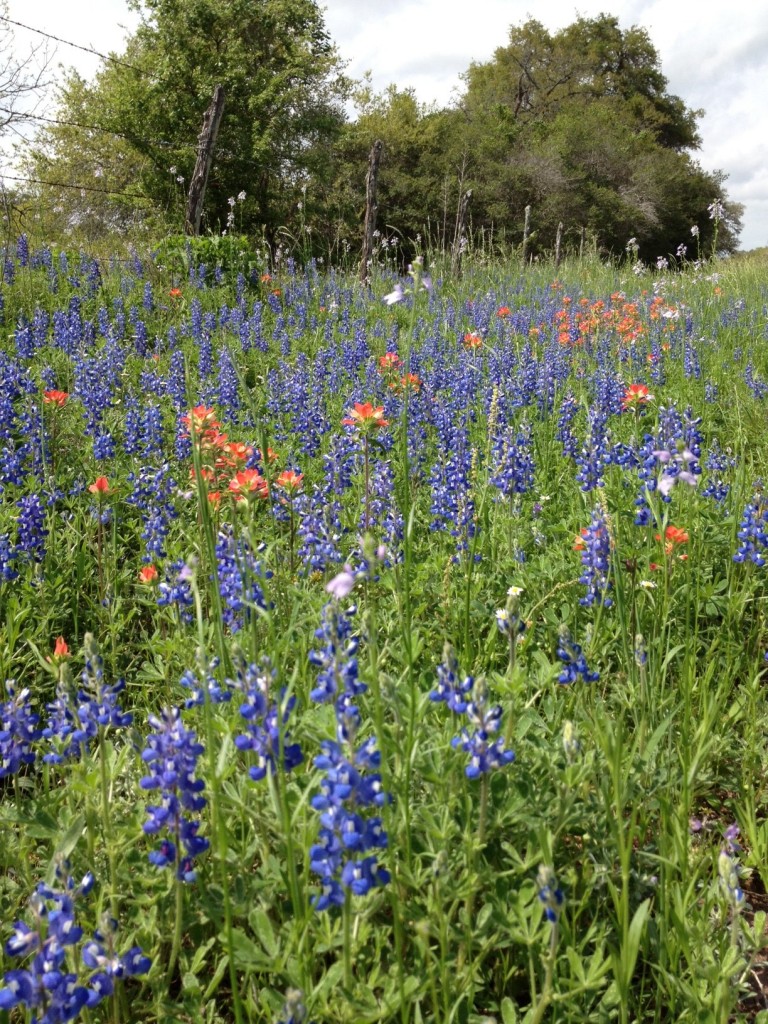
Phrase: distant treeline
(575, 124)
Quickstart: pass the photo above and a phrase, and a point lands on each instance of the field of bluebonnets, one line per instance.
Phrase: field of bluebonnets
(382, 653)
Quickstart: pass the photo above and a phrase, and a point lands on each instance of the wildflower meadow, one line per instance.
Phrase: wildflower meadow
(384, 652)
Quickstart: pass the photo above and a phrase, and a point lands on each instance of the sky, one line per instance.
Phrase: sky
(715, 58)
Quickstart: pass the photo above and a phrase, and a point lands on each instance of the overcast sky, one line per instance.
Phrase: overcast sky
(715, 58)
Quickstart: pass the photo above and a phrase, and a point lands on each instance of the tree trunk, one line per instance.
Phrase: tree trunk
(558, 239)
(206, 142)
(371, 209)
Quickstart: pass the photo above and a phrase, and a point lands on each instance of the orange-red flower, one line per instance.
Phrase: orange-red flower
(175, 293)
(61, 650)
(201, 418)
(148, 574)
(635, 397)
(673, 537)
(390, 361)
(578, 542)
(249, 484)
(265, 278)
(54, 397)
(472, 340)
(411, 381)
(290, 481)
(272, 455)
(100, 486)
(235, 453)
(365, 417)
(503, 311)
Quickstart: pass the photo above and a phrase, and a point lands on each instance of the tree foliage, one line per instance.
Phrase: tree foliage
(577, 124)
(283, 105)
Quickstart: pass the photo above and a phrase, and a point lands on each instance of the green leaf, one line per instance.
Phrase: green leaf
(508, 1011)
(245, 951)
(69, 839)
(262, 926)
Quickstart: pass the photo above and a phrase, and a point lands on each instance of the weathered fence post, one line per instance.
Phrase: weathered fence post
(371, 209)
(206, 142)
(582, 240)
(558, 239)
(526, 228)
(458, 234)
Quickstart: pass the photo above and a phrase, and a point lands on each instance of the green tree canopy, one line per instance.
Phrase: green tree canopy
(284, 92)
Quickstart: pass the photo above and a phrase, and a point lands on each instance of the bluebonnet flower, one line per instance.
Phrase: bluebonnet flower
(350, 785)
(103, 446)
(384, 519)
(100, 955)
(172, 753)
(18, 731)
(453, 505)
(175, 590)
(60, 727)
(294, 1011)
(594, 543)
(449, 689)
(267, 720)
(22, 250)
(753, 530)
(718, 462)
(98, 706)
(512, 462)
(575, 662)
(152, 495)
(238, 574)
(564, 433)
(210, 688)
(550, 893)
(595, 454)
(227, 397)
(31, 528)
(728, 868)
(484, 752)
(336, 659)
(45, 987)
(8, 556)
(319, 529)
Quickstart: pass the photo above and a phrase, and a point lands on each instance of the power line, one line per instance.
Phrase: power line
(99, 128)
(67, 42)
(80, 188)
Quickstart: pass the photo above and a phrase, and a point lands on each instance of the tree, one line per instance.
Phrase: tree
(283, 91)
(579, 125)
(23, 77)
(411, 194)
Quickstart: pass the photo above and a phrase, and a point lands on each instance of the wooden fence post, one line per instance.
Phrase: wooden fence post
(526, 228)
(371, 209)
(458, 234)
(206, 142)
(558, 239)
